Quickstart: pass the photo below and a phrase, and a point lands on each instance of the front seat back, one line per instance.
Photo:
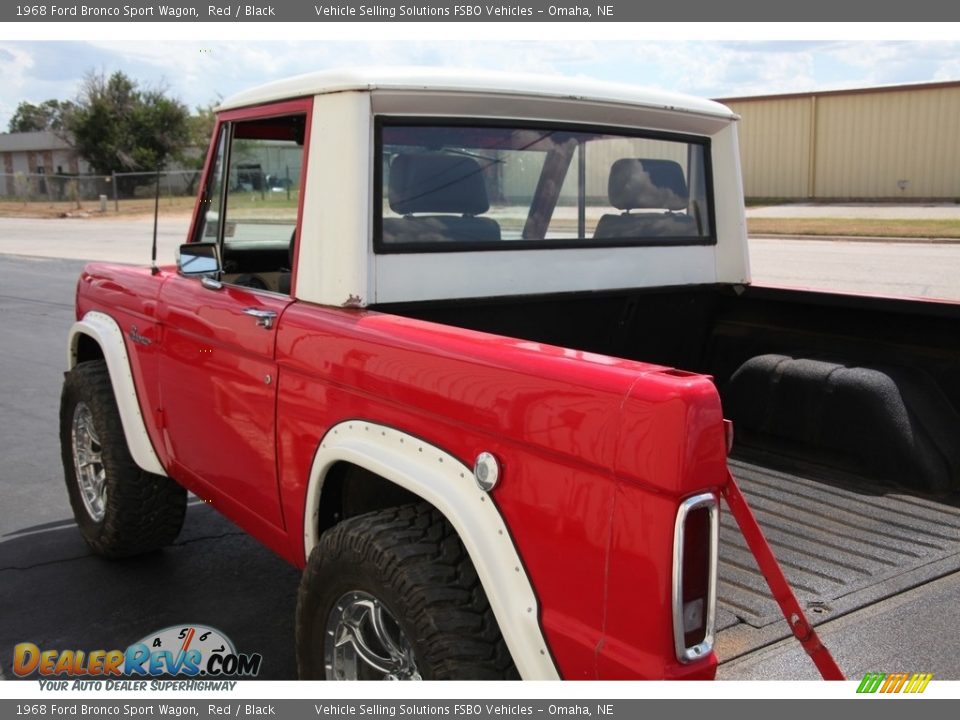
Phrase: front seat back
(440, 197)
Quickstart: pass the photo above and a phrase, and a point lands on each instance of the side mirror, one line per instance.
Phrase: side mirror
(198, 258)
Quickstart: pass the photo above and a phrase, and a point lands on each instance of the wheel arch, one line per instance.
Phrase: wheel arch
(84, 348)
(425, 472)
(350, 490)
(98, 336)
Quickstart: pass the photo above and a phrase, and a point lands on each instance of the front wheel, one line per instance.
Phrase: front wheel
(392, 595)
(121, 510)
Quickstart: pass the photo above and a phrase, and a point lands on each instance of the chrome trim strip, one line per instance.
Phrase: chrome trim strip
(690, 654)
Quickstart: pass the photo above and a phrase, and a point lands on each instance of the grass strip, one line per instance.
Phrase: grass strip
(855, 227)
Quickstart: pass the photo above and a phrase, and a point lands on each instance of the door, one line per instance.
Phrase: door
(218, 375)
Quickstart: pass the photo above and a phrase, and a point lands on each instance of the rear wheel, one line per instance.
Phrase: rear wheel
(121, 510)
(364, 641)
(392, 595)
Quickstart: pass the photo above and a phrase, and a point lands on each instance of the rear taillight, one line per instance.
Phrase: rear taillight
(728, 434)
(695, 576)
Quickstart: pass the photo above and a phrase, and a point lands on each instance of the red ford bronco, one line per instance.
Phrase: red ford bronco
(461, 346)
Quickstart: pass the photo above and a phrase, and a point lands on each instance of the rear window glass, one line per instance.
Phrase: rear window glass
(473, 187)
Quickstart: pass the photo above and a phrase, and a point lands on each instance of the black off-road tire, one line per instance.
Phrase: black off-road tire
(143, 512)
(412, 561)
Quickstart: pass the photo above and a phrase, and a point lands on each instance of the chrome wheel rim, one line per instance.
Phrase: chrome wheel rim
(88, 462)
(363, 641)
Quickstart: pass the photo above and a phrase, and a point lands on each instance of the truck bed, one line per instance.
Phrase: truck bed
(850, 527)
(842, 542)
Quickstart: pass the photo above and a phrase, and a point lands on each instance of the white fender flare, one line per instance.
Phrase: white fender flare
(106, 332)
(448, 485)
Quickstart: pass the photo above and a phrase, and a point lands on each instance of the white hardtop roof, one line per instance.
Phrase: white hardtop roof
(472, 81)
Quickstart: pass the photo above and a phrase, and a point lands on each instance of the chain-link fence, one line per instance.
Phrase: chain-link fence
(107, 191)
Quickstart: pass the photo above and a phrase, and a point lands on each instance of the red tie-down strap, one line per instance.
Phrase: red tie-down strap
(782, 593)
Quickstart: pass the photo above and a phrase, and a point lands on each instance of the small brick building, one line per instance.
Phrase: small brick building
(41, 158)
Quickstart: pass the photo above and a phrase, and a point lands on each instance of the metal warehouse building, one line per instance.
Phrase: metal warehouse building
(890, 143)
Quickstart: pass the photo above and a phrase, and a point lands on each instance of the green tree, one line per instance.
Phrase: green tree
(192, 157)
(48, 115)
(117, 126)
(201, 126)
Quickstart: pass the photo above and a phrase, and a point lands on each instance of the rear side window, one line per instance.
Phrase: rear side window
(474, 187)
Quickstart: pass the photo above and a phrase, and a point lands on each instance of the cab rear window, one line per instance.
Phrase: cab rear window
(448, 187)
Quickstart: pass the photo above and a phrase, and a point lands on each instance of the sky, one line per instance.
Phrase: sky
(199, 72)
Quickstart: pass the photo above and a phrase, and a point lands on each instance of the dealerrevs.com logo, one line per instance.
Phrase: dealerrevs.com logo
(190, 651)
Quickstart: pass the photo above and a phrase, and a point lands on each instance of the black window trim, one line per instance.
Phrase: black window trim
(225, 136)
(381, 248)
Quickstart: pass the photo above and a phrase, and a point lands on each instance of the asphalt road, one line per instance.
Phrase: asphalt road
(115, 239)
(54, 593)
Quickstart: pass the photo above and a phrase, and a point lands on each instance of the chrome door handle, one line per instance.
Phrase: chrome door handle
(264, 318)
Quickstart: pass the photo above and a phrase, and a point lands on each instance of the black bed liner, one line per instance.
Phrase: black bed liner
(842, 545)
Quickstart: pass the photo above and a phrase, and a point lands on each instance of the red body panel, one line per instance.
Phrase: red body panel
(130, 295)
(596, 451)
(560, 420)
(218, 393)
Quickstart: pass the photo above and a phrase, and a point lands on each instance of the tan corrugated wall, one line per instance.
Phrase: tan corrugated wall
(883, 144)
(774, 146)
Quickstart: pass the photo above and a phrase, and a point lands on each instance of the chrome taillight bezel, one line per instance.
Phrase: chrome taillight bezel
(699, 651)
